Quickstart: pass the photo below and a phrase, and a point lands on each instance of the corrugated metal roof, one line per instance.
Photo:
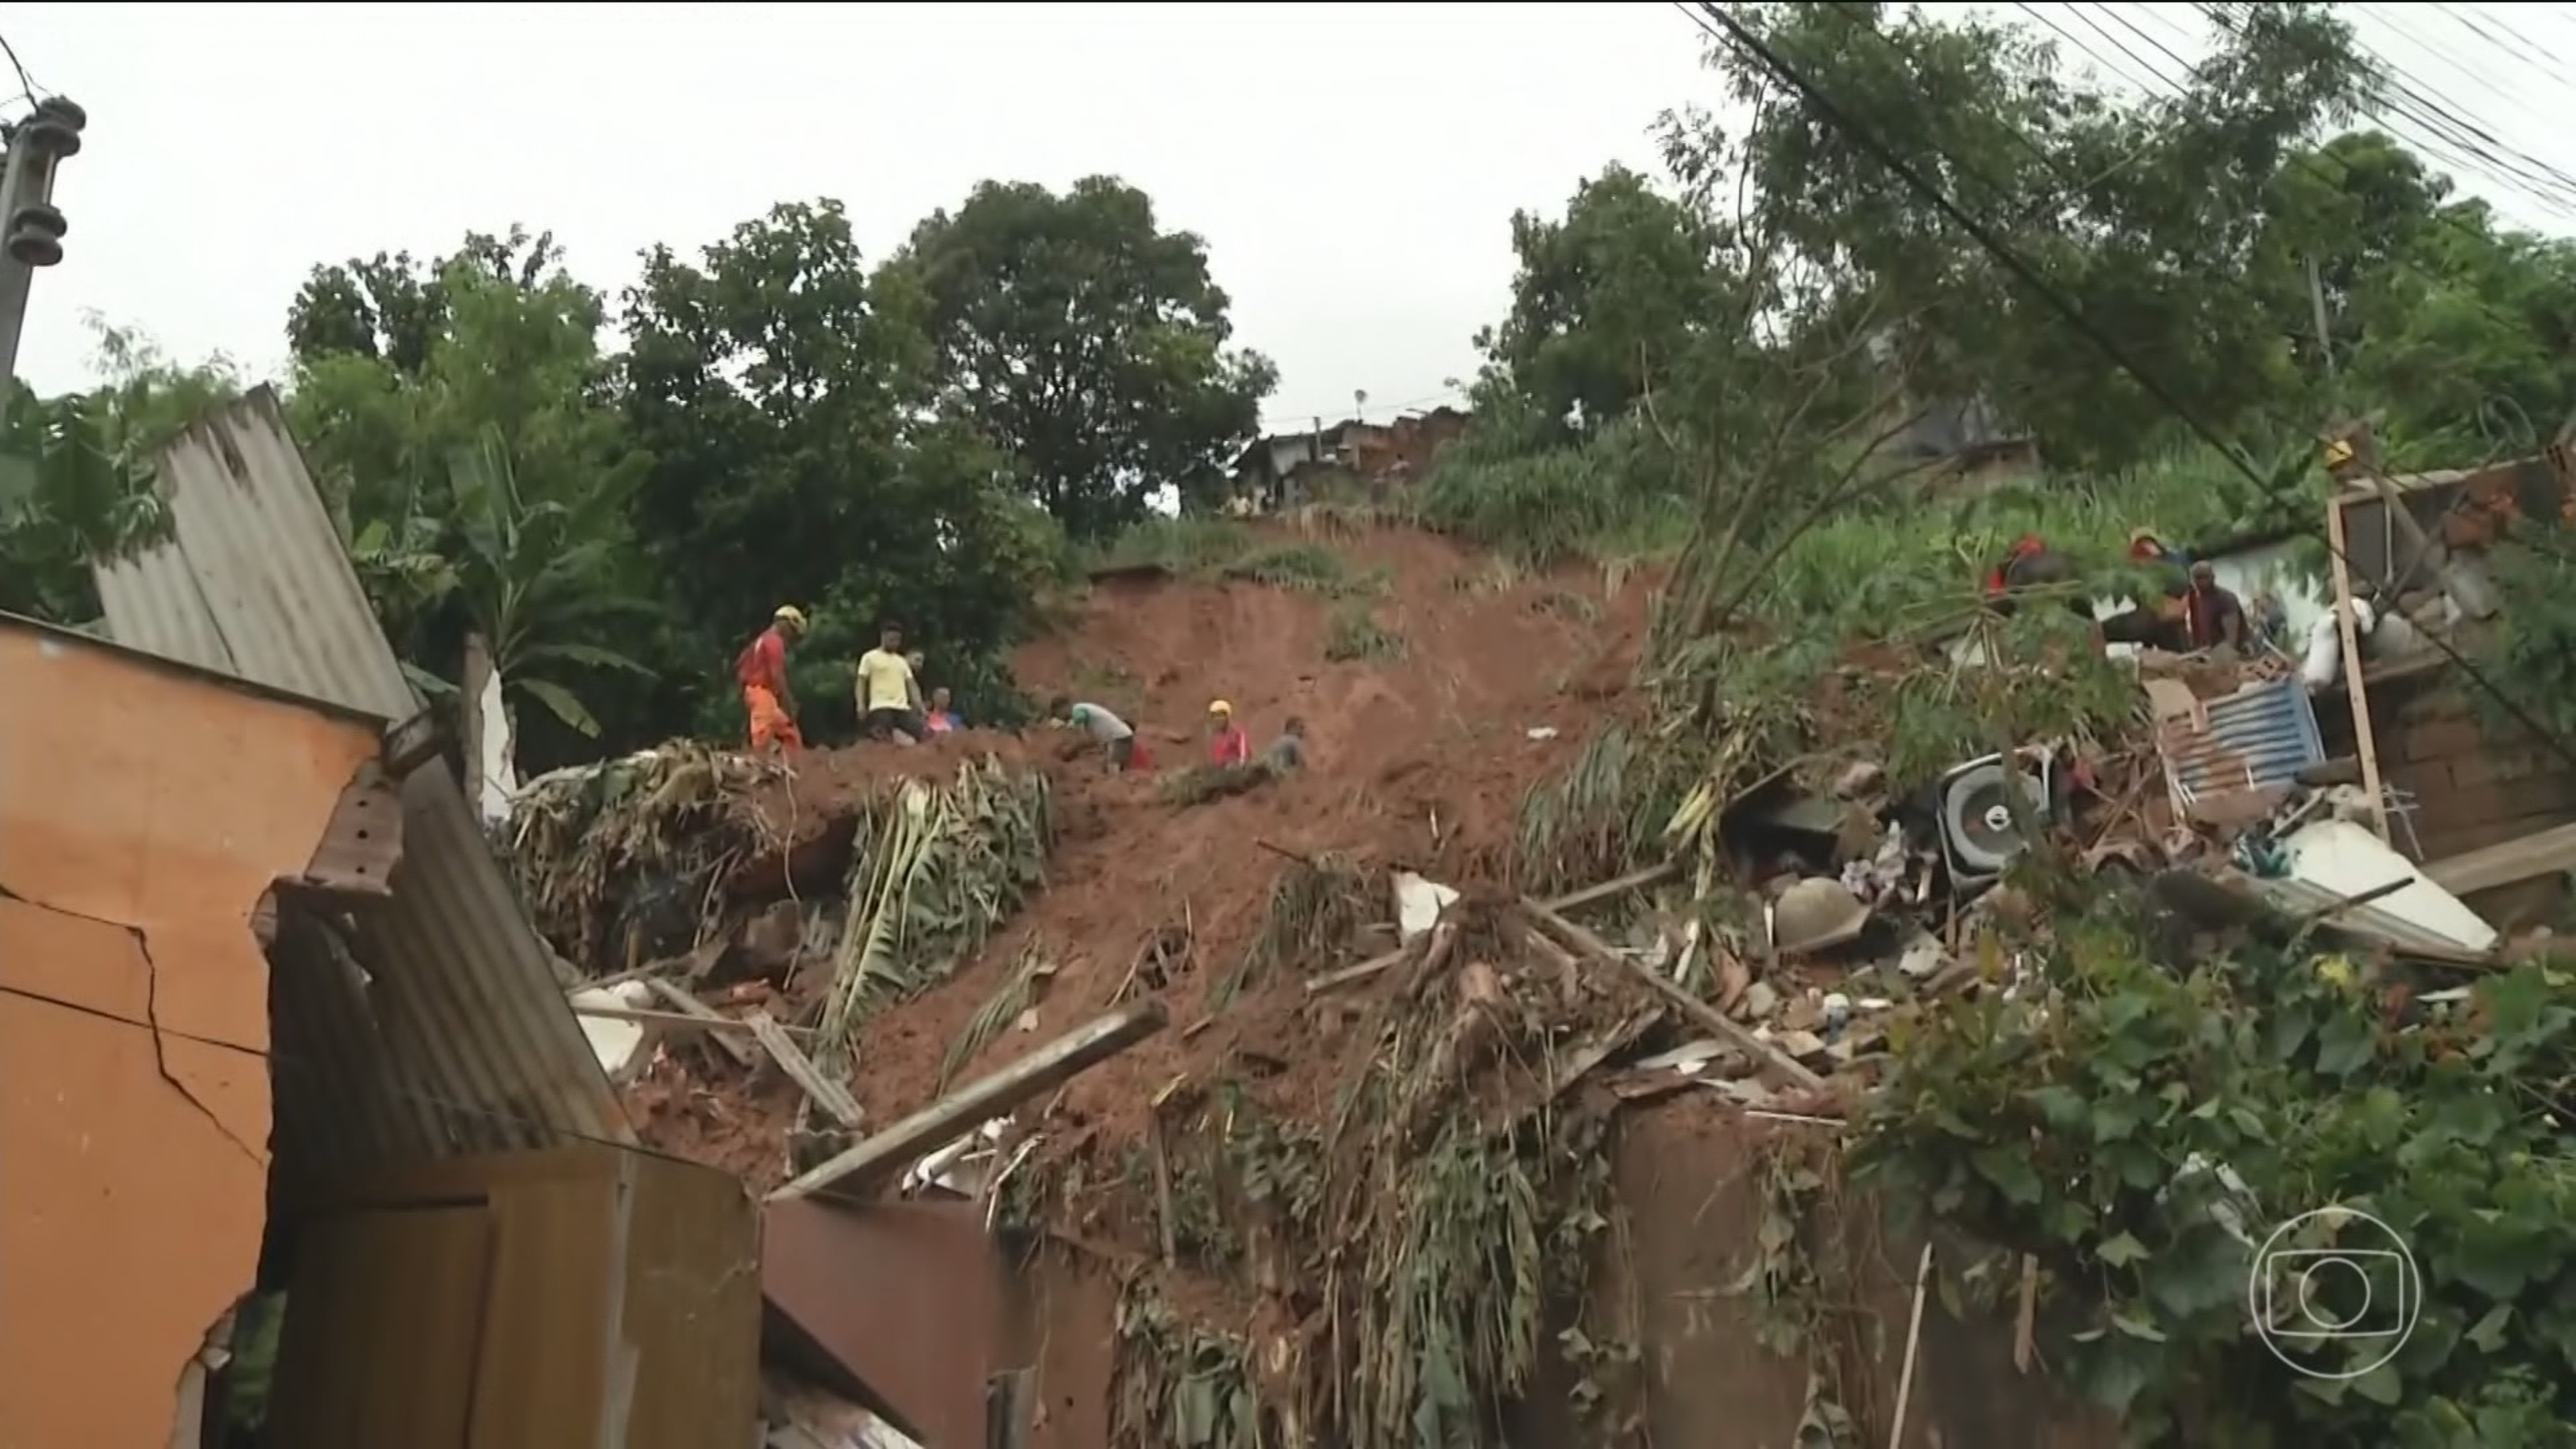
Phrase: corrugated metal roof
(472, 1047)
(2308, 900)
(2257, 738)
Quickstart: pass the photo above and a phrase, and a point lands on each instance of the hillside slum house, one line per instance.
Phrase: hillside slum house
(1352, 460)
(277, 1032)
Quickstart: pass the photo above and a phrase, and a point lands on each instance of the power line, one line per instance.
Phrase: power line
(1833, 115)
(2308, 165)
(26, 83)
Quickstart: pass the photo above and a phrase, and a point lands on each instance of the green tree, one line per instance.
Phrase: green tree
(484, 493)
(798, 459)
(76, 481)
(2146, 215)
(393, 307)
(1086, 341)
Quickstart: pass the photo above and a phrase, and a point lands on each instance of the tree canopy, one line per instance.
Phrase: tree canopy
(1087, 342)
(613, 493)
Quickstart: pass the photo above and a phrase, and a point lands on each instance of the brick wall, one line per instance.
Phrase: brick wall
(2475, 784)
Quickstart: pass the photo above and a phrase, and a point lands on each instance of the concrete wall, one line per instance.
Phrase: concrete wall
(1685, 1176)
(2476, 783)
(144, 811)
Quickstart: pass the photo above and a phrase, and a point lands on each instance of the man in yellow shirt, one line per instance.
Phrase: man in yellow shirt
(887, 689)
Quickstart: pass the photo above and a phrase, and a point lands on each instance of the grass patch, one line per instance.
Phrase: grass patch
(1222, 548)
(1356, 634)
(1308, 567)
(1621, 494)
(1183, 545)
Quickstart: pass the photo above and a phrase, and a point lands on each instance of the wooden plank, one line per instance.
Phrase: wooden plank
(2353, 671)
(1380, 964)
(821, 1090)
(643, 1015)
(2509, 862)
(728, 1039)
(852, 1173)
(1691, 1006)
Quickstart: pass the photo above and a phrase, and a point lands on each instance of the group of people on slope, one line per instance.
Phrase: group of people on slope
(1228, 746)
(889, 695)
(2188, 612)
(892, 707)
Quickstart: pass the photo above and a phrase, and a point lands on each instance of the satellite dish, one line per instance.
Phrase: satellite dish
(1977, 817)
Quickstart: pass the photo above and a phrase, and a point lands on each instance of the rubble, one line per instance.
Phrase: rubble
(1394, 1047)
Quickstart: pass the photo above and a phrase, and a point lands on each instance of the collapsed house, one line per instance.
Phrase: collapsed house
(301, 1130)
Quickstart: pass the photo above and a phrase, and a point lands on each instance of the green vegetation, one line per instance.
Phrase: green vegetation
(2067, 1124)
(1355, 633)
(1816, 580)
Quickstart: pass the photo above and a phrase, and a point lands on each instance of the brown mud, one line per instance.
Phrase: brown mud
(1418, 762)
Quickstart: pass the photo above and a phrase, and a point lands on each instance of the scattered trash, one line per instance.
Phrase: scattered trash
(1418, 904)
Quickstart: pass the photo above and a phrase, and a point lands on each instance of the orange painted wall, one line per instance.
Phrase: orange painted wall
(144, 810)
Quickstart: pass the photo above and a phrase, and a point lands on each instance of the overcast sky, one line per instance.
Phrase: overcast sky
(1352, 167)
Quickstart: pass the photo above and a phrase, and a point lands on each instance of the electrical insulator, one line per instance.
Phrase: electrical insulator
(36, 235)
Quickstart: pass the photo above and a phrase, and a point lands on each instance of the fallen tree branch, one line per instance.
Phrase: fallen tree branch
(850, 1173)
(1589, 895)
(1588, 944)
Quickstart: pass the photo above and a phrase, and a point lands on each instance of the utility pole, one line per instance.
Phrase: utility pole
(31, 230)
(2317, 304)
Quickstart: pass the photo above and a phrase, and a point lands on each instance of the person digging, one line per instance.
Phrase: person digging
(1126, 752)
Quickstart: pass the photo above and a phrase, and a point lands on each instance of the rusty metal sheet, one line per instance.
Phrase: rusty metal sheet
(459, 1040)
(904, 1300)
(2256, 739)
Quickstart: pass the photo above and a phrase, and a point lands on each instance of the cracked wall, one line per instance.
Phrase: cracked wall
(144, 811)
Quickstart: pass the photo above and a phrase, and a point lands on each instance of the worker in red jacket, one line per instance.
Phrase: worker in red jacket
(1228, 746)
(761, 669)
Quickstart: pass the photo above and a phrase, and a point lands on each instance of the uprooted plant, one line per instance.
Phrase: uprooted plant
(1414, 1256)
(611, 855)
(1316, 908)
(938, 867)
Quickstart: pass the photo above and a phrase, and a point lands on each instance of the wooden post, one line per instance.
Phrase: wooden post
(1059, 1061)
(2354, 684)
(469, 715)
(1689, 1005)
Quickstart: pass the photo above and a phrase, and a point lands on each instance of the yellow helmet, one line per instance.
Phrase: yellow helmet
(790, 615)
(1221, 708)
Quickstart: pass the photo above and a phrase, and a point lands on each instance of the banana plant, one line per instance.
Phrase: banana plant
(532, 578)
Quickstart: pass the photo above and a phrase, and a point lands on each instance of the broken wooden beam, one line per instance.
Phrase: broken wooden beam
(1589, 895)
(819, 1089)
(727, 1040)
(851, 1173)
(646, 1016)
(1588, 944)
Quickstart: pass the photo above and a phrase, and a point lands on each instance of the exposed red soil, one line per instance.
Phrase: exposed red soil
(1417, 763)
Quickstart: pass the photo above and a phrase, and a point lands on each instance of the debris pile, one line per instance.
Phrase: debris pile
(1356, 1193)
(619, 862)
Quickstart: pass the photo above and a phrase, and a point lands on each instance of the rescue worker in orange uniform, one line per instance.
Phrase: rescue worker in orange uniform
(762, 671)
